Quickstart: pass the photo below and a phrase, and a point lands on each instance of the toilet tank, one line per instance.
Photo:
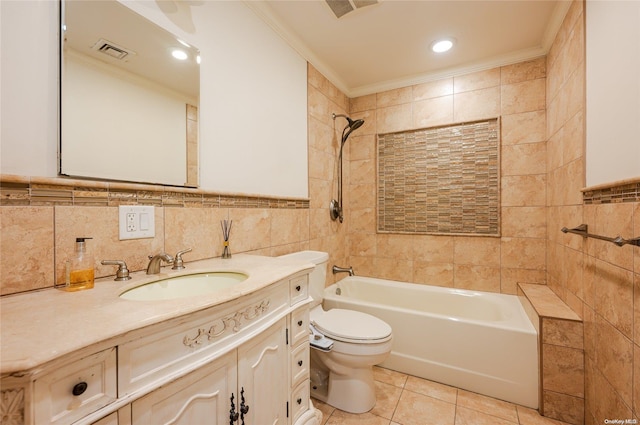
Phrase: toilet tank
(318, 277)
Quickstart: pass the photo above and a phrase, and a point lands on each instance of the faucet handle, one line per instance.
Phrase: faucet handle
(178, 264)
(123, 271)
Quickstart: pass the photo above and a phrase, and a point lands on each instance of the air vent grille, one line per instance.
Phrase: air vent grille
(342, 7)
(112, 49)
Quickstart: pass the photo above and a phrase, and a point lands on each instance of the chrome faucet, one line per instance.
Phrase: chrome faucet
(156, 260)
(337, 269)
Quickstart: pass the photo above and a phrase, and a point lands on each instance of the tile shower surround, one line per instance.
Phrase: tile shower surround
(516, 94)
(541, 105)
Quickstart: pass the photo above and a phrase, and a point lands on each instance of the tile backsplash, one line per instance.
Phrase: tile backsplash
(17, 190)
(624, 192)
(40, 219)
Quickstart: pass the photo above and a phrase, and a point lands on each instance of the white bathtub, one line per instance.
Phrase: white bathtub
(479, 341)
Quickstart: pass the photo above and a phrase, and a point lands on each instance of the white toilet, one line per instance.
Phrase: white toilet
(345, 345)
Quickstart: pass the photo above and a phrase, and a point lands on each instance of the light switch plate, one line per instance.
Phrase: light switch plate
(136, 221)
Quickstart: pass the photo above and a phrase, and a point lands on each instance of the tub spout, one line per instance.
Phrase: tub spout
(337, 269)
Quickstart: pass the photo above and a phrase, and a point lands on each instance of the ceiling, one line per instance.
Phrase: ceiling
(387, 45)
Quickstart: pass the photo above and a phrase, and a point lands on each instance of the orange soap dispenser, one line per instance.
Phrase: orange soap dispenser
(80, 268)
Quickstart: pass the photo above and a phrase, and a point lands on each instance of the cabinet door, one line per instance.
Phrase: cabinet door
(197, 398)
(263, 374)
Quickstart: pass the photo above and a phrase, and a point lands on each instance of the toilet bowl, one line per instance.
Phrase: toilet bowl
(345, 345)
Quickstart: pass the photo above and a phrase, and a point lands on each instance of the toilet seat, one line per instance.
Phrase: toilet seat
(350, 326)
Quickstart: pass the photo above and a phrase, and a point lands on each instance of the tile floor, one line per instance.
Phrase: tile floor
(406, 400)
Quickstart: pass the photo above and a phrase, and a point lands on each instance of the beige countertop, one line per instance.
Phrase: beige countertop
(41, 326)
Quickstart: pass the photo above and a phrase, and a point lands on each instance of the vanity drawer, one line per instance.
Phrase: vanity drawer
(300, 400)
(299, 289)
(299, 326)
(76, 389)
(112, 419)
(176, 347)
(299, 364)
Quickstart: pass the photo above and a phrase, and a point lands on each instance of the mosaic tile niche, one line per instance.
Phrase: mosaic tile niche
(440, 180)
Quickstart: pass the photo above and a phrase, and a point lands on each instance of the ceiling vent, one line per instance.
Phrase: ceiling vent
(112, 49)
(342, 7)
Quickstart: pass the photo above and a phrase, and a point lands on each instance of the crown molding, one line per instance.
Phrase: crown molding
(504, 60)
(554, 24)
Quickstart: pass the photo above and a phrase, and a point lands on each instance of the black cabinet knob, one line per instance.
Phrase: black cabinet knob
(298, 288)
(300, 363)
(299, 322)
(79, 388)
(299, 401)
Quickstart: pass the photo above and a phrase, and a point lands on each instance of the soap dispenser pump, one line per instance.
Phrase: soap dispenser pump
(80, 268)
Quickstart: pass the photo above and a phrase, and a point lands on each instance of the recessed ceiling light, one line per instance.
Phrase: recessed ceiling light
(443, 45)
(179, 54)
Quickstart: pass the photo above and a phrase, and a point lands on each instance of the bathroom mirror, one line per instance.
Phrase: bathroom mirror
(128, 107)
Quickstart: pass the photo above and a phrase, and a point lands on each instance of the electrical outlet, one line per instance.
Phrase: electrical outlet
(131, 222)
(136, 222)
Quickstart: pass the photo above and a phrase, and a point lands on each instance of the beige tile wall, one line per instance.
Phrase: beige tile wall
(324, 144)
(517, 94)
(561, 355)
(562, 369)
(36, 240)
(599, 280)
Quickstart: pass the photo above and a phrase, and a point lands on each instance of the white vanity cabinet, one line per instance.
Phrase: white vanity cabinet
(253, 374)
(197, 398)
(247, 358)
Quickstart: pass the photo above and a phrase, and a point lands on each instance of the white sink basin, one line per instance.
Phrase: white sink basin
(184, 286)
